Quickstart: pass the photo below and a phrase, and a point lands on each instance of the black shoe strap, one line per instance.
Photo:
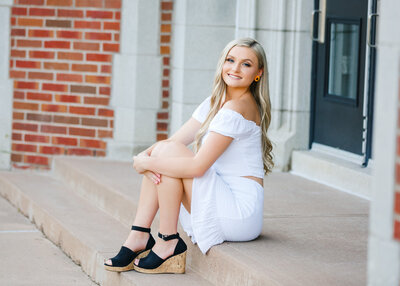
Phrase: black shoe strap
(142, 229)
(168, 237)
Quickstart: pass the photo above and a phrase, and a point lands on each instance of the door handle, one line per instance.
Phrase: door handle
(321, 23)
(369, 24)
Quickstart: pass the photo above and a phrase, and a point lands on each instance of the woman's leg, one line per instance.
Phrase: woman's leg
(171, 192)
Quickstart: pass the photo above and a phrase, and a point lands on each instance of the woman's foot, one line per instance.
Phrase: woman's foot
(136, 241)
(163, 248)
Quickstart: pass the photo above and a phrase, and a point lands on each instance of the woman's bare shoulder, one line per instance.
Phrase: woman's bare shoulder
(245, 106)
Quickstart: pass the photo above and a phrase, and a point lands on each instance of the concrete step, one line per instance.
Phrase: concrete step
(85, 233)
(312, 235)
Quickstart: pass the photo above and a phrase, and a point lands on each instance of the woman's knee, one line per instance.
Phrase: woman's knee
(170, 149)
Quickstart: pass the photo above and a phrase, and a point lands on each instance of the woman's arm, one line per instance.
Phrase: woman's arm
(187, 132)
(186, 167)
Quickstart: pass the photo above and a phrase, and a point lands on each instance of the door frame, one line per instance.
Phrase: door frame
(369, 88)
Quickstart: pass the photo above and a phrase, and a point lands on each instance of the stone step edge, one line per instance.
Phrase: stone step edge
(203, 265)
(64, 239)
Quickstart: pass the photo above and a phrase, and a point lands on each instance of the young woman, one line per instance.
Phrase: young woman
(217, 192)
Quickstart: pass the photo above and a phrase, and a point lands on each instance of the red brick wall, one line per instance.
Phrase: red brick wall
(165, 51)
(397, 183)
(61, 56)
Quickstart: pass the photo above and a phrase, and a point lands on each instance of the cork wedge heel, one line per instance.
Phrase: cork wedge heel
(123, 261)
(176, 263)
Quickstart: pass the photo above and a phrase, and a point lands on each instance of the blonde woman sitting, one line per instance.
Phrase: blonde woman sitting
(217, 192)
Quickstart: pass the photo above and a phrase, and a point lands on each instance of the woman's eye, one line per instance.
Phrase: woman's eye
(247, 65)
(229, 60)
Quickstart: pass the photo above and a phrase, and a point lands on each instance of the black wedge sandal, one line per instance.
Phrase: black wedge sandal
(123, 261)
(175, 263)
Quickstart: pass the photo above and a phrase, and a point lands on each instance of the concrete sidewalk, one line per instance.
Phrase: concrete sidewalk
(29, 258)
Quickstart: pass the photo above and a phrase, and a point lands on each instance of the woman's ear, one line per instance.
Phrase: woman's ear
(260, 72)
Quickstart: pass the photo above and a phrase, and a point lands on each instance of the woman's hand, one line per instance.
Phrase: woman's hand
(138, 166)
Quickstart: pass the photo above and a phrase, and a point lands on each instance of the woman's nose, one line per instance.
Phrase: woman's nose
(236, 67)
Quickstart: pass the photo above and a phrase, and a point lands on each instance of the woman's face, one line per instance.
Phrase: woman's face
(240, 67)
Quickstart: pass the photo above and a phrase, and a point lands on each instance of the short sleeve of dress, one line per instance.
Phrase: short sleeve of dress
(200, 114)
(231, 123)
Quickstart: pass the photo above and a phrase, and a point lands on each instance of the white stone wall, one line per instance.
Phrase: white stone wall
(5, 85)
(384, 251)
(136, 80)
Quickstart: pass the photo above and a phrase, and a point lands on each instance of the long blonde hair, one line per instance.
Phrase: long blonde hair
(259, 90)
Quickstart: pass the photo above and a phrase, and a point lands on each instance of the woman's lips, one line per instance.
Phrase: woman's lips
(234, 76)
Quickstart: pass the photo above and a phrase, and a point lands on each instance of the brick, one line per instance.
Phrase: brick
(166, 6)
(87, 25)
(165, 83)
(39, 96)
(105, 90)
(19, 94)
(65, 119)
(82, 132)
(162, 115)
(40, 75)
(86, 46)
(97, 100)
(116, 37)
(38, 117)
(162, 126)
(165, 72)
(37, 160)
(166, 16)
(13, 21)
(106, 68)
(69, 34)
(24, 147)
(31, 22)
(11, 64)
(64, 141)
(115, 4)
(84, 68)
(27, 64)
(70, 56)
(397, 170)
(41, 54)
(396, 230)
(111, 123)
(68, 98)
(54, 108)
(79, 152)
(69, 77)
(83, 89)
(98, 57)
(165, 39)
(57, 44)
(18, 32)
(111, 26)
(36, 138)
(25, 126)
(17, 74)
(18, 115)
(51, 150)
(29, 43)
(82, 110)
(41, 33)
(41, 12)
(105, 134)
(16, 157)
(53, 129)
(99, 14)
(19, 11)
(95, 122)
(29, 2)
(98, 36)
(161, 136)
(59, 2)
(91, 143)
(117, 15)
(16, 136)
(18, 53)
(56, 66)
(89, 3)
(107, 47)
(165, 104)
(70, 13)
(58, 23)
(54, 87)
(166, 61)
(397, 203)
(164, 50)
(97, 79)
(26, 85)
(99, 153)
(105, 112)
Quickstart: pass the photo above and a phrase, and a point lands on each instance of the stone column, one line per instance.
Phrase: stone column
(384, 250)
(201, 29)
(283, 27)
(5, 85)
(136, 84)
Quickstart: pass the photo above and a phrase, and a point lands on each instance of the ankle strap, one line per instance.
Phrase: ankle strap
(142, 229)
(168, 237)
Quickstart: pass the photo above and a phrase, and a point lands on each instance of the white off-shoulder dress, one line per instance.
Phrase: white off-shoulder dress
(226, 206)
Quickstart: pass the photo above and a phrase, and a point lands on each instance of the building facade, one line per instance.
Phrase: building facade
(108, 78)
